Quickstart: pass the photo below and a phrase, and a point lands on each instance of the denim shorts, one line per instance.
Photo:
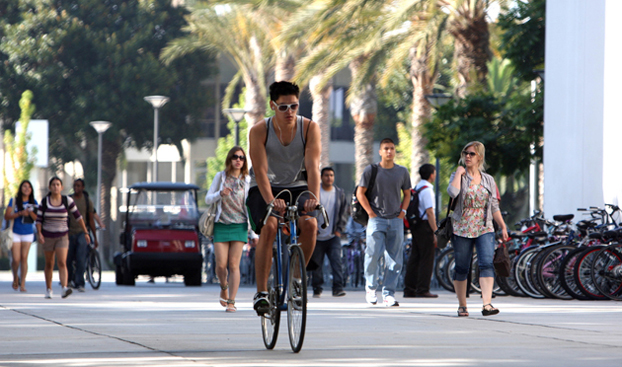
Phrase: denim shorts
(463, 254)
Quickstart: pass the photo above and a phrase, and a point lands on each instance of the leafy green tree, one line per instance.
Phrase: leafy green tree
(96, 60)
(523, 38)
(21, 161)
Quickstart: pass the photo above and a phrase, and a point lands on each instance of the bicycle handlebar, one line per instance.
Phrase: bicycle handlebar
(292, 207)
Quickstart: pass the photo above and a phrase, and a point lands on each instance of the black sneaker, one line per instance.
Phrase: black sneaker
(261, 304)
(340, 293)
(317, 294)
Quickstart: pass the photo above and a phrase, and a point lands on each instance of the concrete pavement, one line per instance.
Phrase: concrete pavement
(167, 324)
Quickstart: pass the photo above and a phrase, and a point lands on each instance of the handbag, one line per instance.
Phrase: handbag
(501, 261)
(6, 237)
(206, 222)
(445, 227)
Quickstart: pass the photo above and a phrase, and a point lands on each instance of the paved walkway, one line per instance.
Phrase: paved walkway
(171, 325)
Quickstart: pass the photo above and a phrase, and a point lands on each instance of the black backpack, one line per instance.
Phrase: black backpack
(359, 214)
(412, 212)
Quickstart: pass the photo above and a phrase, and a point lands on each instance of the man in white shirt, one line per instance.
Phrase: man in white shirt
(421, 260)
(328, 241)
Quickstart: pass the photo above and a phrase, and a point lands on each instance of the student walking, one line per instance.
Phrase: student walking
(328, 243)
(22, 210)
(421, 260)
(53, 230)
(78, 247)
(230, 190)
(477, 205)
(385, 228)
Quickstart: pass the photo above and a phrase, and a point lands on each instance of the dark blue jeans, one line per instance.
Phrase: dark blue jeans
(77, 253)
(332, 249)
(463, 254)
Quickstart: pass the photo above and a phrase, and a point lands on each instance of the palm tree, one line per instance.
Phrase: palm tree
(468, 25)
(335, 32)
(413, 31)
(236, 33)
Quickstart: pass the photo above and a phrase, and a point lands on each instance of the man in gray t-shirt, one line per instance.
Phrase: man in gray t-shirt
(385, 228)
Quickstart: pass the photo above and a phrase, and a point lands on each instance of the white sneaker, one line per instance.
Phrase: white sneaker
(80, 289)
(389, 301)
(48, 293)
(370, 296)
(66, 292)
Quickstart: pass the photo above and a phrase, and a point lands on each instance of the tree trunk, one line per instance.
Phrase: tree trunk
(321, 114)
(285, 67)
(363, 108)
(471, 51)
(255, 99)
(423, 83)
(110, 152)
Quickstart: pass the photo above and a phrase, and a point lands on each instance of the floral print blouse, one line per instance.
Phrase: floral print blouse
(233, 208)
(472, 224)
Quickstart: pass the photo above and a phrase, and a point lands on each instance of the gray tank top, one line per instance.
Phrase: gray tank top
(286, 164)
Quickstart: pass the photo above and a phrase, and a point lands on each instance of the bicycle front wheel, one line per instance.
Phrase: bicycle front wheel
(94, 269)
(296, 298)
(270, 321)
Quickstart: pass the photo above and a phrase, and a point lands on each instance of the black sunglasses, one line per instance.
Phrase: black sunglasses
(240, 157)
(470, 154)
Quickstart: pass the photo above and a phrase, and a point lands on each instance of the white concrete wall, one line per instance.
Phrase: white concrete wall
(574, 126)
(612, 120)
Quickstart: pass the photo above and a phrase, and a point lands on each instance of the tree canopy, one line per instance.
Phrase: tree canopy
(96, 60)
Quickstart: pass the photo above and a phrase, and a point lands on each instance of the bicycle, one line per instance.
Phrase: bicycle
(290, 295)
(93, 267)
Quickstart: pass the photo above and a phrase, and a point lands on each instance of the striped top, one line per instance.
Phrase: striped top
(56, 218)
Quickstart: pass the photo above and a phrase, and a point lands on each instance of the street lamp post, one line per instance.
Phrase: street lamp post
(157, 102)
(237, 114)
(436, 100)
(100, 127)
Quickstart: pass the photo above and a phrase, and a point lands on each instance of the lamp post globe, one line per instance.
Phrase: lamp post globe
(237, 115)
(100, 127)
(156, 102)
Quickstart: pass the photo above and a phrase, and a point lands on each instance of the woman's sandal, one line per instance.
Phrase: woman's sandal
(462, 311)
(15, 284)
(223, 301)
(489, 311)
(231, 306)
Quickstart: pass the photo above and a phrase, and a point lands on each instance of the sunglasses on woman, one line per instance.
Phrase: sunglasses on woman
(238, 157)
(285, 107)
(470, 154)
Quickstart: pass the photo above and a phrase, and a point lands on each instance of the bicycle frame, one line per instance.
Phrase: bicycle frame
(281, 267)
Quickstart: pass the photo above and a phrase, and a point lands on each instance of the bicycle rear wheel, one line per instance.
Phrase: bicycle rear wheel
(583, 273)
(296, 298)
(521, 272)
(607, 272)
(94, 269)
(566, 277)
(549, 274)
(441, 271)
(270, 321)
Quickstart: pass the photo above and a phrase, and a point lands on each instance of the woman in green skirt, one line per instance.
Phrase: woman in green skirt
(228, 191)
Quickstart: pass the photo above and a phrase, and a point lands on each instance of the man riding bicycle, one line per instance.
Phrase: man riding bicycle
(285, 151)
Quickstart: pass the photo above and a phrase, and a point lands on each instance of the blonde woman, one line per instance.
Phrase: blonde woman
(23, 211)
(229, 191)
(477, 205)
